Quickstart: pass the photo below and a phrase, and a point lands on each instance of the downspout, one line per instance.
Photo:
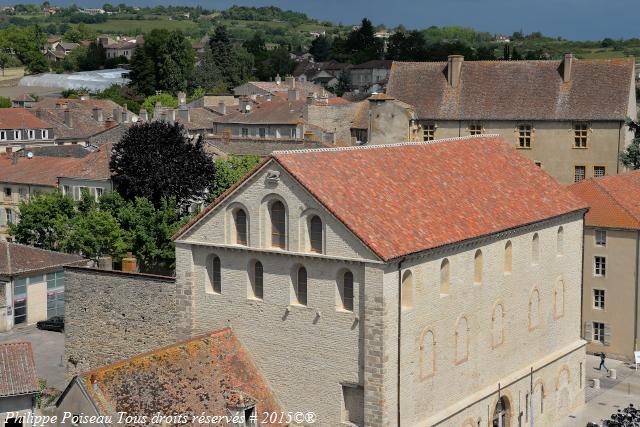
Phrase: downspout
(618, 155)
(399, 334)
(635, 323)
(582, 331)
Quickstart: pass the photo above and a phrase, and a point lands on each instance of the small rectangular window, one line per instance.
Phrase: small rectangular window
(475, 129)
(17, 135)
(598, 299)
(580, 131)
(7, 191)
(525, 135)
(600, 266)
(262, 132)
(245, 132)
(99, 192)
(599, 171)
(66, 190)
(31, 134)
(3, 135)
(9, 214)
(601, 238)
(579, 173)
(428, 132)
(294, 133)
(45, 134)
(538, 164)
(598, 332)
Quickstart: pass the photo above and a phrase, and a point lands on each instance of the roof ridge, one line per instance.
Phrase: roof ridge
(371, 147)
(612, 197)
(42, 249)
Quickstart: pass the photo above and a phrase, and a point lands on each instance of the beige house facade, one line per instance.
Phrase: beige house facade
(564, 115)
(611, 259)
(361, 301)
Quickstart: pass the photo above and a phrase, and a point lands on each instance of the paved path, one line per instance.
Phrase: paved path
(48, 349)
(613, 394)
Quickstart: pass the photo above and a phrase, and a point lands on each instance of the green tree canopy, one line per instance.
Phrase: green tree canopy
(229, 171)
(165, 100)
(630, 157)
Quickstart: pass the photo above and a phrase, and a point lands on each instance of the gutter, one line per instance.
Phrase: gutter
(399, 334)
(635, 322)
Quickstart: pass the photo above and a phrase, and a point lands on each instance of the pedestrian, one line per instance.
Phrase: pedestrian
(603, 357)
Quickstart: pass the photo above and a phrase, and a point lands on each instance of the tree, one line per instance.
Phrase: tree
(229, 171)
(222, 51)
(207, 75)
(407, 46)
(95, 234)
(361, 45)
(321, 48)
(5, 102)
(44, 221)
(630, 157)
(164, 99)
(343, 85)
(156, 160)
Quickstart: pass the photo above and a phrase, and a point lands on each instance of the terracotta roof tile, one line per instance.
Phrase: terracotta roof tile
(17, 259)
(613, 200)
(17, 369)
(406, 198)
(20, 118)
(205, 374)
(516, 90)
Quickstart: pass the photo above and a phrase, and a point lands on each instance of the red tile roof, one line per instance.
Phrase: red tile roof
(406, 198)
(205, 374)
(20, 118)
(17, 369)
(516, 90)
(613, 200)
(17, 259)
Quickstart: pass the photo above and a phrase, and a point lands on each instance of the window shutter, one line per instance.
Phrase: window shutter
(588, 331)
(607, 334)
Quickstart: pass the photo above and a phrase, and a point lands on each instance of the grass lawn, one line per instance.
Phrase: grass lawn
(135, 27)
(12, 73)
(599, 53)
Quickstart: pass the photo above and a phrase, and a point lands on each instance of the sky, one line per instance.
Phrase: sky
(570, 19)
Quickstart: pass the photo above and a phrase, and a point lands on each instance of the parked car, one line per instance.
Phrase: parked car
(55, 323)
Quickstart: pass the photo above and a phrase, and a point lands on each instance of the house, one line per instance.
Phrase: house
(414, 284)
(209, 375)
(278, 88)
(610, 277)
(196, 120)
(369, 74)
(52, 43)
(26, 174)
(123, 47)
(325, 74)
(65, 48)
(31, 284)
(564, 115)
(18, 383)
(23, 101)
(19, 128)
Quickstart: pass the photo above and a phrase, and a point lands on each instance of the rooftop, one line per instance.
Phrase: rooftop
(206, 374)
(17, 369)
(613, 200)
(17, 259)
(21, 118)
(516, 90)
(400, 199)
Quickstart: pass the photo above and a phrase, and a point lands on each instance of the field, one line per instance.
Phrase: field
(134, 26)
(12, 73)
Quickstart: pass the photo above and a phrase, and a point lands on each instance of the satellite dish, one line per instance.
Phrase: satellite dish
(134, 119)
(30, 155)
(248, 108)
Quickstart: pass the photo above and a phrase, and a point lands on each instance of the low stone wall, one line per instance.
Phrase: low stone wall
(111, 315)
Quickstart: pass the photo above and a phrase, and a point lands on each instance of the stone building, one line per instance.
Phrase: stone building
(406, 284)
(568, 116)
(610, 300)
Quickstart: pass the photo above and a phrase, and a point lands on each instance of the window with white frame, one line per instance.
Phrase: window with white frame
(599, 171)
(3, 135)
(245, 132)
(45, 133)
(598, 332)
(17, 135)
(31, 134)
(99, 192)
(601, 237)
(600, 266)
(579, 173)
(598, 299)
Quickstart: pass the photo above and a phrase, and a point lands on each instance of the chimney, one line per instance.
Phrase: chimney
(144, 116)
(278, 79)
(97, 115)
(244, 104)
(566, 67)
(222, 108)
(310, 99)
(68, 120)
(454, 69)
(130, 263)
(105, 262)
(182, 98)
(183, 114)
(116, 114)
(291, 82)
(157, 110)
(292, 95)
(172, 115)
(39, 113)
(125, 114)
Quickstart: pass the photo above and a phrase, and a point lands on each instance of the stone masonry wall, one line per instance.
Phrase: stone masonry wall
(110, 316)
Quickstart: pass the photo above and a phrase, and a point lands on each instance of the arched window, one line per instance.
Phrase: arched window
(538, 398)
(508, 257)
(345, 290)
(497, 319)
(462, 340)
(278, 225)
(427, 355)
(445, 277)
(534, 309)
(257, 281)
(240, 221)
(300, 286)
(477, 269)
(535, 249)
(214, 274)
(560, 246)
(407, 290)
(558, 299)
(315, 234)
